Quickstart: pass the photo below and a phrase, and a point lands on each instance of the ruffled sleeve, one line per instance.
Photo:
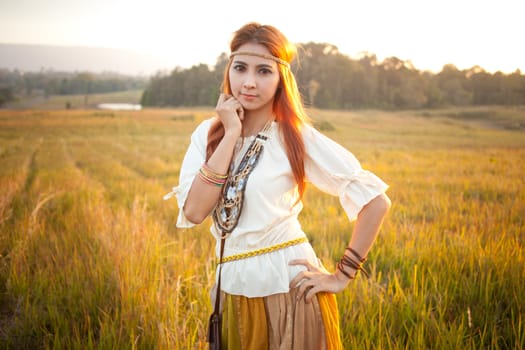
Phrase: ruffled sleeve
(193, 160)
(336, 171)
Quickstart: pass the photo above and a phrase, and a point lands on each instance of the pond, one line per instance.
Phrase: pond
(120, 106)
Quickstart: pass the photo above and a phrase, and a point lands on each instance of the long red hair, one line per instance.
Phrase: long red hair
(287, 105)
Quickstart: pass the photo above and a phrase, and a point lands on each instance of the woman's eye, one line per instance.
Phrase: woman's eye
(239, 67)
(265, 71)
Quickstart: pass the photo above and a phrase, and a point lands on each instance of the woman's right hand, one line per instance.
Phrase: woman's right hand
(230, 113)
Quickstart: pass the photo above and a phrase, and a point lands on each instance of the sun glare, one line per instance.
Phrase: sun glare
(429, 34)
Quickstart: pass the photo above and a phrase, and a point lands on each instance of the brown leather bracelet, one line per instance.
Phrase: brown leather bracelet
(340, 267)
(352, 263)
(357, 255)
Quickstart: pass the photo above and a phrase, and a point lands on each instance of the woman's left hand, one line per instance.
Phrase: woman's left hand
(316, 279)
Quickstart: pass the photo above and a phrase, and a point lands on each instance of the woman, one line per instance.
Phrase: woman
(247, 167)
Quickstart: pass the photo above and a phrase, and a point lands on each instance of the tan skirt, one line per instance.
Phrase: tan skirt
(280, 322)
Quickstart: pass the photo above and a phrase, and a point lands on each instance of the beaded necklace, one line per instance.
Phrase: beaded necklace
(228, 210)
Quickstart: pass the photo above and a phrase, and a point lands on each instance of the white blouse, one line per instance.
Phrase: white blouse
(270, 210)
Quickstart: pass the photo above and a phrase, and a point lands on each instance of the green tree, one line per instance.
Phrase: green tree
(6, 95)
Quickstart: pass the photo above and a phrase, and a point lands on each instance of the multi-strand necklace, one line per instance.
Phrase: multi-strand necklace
(228, 210)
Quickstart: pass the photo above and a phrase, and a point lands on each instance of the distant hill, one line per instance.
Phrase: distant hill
(28, 57)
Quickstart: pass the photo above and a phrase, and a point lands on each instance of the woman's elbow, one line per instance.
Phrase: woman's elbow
(194, 216)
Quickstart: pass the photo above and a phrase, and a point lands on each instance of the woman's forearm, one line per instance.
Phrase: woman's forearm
(367, 227)
(368, 223)
(203, 196)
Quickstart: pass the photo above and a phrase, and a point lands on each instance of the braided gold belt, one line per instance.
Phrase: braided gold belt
(265, 250)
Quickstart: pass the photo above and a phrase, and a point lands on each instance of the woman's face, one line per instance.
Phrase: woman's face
(254, 80)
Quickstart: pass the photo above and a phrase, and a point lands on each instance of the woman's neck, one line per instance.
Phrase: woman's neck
(255, 122)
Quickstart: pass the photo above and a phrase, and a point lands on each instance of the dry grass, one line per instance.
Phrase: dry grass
(90, 257)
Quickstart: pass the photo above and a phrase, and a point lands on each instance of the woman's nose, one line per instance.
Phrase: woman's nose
(249, 81)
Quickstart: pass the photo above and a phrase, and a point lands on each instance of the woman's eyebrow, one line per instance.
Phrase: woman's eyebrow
(260, 65)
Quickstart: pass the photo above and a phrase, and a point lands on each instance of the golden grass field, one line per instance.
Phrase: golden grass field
(90, 257)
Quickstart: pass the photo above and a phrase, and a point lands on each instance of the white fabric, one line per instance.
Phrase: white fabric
(270, 212)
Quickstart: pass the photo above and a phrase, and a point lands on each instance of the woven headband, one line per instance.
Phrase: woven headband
(269, 57)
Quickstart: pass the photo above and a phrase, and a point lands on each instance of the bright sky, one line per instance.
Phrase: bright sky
(429, 33)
